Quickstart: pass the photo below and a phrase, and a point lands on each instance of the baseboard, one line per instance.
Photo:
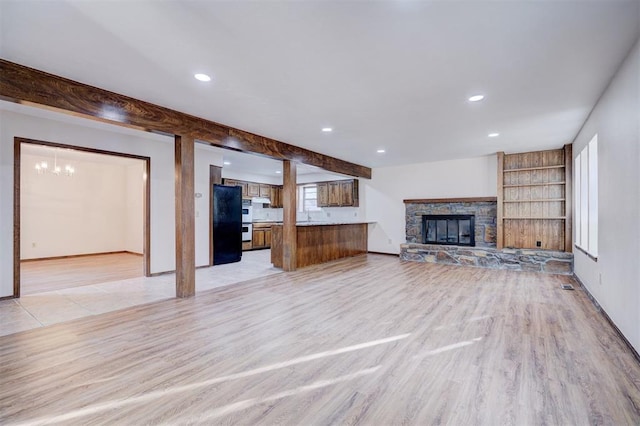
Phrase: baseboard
(133, 252)
(607, 317)
(157, 274)
(387, 254)
(8, 297)
(71, 256)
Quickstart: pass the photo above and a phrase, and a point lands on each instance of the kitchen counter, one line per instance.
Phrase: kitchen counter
(320, 242)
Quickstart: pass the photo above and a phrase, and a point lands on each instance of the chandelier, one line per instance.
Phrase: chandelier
(42, 167)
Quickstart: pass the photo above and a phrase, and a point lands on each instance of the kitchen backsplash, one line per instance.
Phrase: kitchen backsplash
(326, 214)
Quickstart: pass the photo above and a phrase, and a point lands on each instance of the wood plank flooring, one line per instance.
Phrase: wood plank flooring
(38, 276)
(367, 340)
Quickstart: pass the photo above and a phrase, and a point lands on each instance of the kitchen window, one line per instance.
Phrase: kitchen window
(308, 198)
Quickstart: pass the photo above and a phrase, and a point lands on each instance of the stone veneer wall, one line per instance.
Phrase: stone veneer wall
(485, 218)
(551, 262)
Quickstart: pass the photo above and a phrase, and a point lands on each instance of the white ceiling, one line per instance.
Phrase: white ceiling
(384, 74)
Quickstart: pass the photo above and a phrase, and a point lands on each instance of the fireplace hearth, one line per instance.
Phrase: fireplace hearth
(449, 229)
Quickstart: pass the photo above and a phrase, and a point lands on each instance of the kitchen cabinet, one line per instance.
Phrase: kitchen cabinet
(276, 197)
(265, 190)
(253, 189)
(261, 237)
(233, 182)
(323, 194)
(346, 193)
(334, 194)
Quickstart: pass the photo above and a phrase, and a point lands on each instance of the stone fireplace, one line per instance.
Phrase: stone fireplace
(433, 237)
(449, 229)
(483, 210)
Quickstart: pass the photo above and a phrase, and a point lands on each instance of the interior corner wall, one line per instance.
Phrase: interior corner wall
(64, 129)
(614, 280)
(134, 208)
(389, 186)
(65, 216)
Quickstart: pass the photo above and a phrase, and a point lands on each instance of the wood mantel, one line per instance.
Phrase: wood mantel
(451, 200)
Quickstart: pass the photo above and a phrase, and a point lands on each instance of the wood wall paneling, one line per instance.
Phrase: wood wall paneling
(34, 87)
(568, 196)
(289, 236)
(185, 217)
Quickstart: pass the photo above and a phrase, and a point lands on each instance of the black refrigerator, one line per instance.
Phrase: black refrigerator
(227, 224)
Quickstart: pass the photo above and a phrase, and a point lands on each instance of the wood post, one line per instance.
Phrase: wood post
(289, 231)
(185, 217)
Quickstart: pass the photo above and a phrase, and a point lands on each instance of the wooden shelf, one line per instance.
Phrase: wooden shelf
(541, 200)
(533, 184)
(534, 168)
(536, 217)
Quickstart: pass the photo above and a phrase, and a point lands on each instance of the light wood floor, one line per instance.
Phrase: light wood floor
(367, 340)
(38, 276)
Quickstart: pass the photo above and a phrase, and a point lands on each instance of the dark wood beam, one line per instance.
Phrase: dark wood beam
(185, 218)
(289, 233)
(31, 86)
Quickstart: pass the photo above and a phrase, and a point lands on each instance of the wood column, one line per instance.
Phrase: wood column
(289, 232)
(500, 205)
(185, 218)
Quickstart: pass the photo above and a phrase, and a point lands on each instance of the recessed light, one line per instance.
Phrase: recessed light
(493, 135)
(278, 171)
(327, 129)
(476, 98)
(226, 163)
(381, 151)
(202, 77)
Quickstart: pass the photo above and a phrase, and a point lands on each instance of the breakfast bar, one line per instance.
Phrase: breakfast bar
(321, 242)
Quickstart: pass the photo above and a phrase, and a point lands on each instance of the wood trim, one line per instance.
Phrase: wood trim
(500, 204)
(568, 198)
(33, 87)
(146, 261)
(382, 253)
(73, 256)
(534, 168)
(289, 231)
(450, 200)
(185, 217)
(534, 184)
(146, 241)
(16, 216)
(215, 178)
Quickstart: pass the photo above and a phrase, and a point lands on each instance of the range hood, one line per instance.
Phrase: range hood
(260, 200)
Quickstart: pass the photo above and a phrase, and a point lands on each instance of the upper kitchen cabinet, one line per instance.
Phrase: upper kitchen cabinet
(341, 193)
(276, 196)
(265, 190)
(253, 189)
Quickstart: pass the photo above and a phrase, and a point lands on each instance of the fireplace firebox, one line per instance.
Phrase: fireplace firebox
(449, 229)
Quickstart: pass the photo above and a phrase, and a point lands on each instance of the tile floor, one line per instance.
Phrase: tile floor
(42, 309)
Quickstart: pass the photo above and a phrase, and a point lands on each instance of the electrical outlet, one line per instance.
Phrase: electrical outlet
(328, 214)
(538, 243)
(355, 214)
(390, 242)
(197, 214)
(600, 278)
(33, 245)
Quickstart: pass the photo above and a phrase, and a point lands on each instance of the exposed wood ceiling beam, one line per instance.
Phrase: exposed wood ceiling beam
(30, 86)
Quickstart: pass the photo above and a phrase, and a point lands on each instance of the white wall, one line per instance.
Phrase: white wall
(134, 209)
(614, 280)
(384, 193)
(229, 173)
(64, 129)
(63, 216)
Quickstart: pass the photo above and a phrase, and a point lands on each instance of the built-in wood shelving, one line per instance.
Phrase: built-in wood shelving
(534, 184)
(534, 199)
(524, 169)
(541, 200)
(534, 217)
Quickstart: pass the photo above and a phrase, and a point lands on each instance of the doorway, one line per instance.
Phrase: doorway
(81, 216)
